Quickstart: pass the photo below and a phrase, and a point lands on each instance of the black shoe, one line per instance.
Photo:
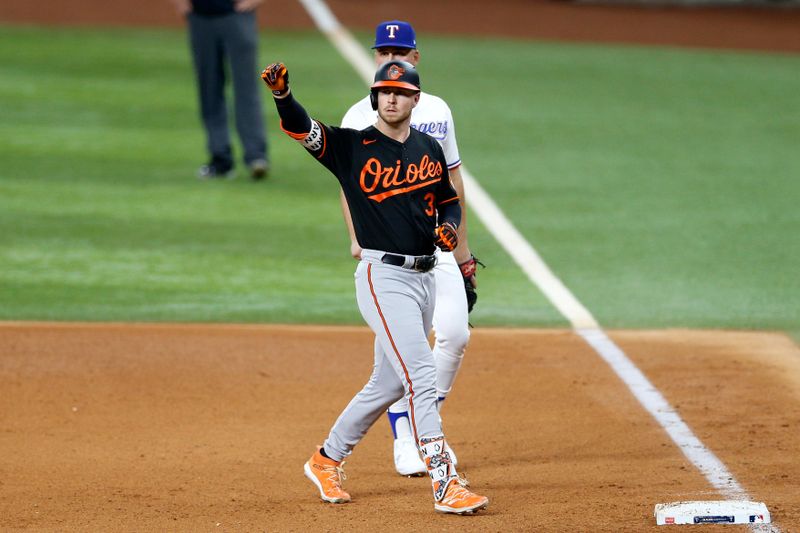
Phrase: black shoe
(216, 169)
(259, 169)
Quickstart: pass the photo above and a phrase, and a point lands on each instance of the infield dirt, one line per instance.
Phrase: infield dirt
(126, 427)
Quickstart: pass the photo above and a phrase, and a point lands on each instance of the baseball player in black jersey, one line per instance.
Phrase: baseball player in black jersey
(403, 205)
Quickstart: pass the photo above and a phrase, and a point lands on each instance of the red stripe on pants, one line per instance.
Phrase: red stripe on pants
(396, 352)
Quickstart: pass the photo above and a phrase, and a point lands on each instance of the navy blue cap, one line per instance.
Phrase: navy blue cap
(395, 33)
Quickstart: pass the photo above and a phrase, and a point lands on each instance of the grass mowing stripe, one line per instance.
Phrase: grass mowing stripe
(657, 183)
(642, 175)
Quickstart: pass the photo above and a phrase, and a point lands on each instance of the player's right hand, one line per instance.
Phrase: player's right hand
(277, 79)
(355, 250)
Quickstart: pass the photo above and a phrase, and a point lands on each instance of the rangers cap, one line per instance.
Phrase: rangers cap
(396, 33)
(397, 74)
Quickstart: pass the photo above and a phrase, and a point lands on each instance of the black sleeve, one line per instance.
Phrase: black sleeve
(294, 118)
(450, 212)
(447, 201)
(329, 145)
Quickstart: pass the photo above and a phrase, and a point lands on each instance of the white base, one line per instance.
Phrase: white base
(712, 512)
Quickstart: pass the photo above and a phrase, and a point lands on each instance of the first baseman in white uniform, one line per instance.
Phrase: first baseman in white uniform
(402, 206)
(455, 271)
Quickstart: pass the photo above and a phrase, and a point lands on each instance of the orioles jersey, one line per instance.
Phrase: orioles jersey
(394, 190)
(397, 192)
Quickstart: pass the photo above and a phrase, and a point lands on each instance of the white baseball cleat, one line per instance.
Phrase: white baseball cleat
(407, 461)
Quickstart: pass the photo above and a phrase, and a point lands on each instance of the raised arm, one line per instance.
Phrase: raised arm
(295, 121)
(294, 118)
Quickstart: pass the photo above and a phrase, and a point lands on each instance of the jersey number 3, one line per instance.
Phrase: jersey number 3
(429, 198)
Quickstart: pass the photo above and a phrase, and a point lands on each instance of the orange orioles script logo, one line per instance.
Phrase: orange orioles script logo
(380, 183)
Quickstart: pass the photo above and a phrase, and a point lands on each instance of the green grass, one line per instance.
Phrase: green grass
(660, 185)
(102, 218)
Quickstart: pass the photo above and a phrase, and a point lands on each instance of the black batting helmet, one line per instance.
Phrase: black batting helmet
(394, 74)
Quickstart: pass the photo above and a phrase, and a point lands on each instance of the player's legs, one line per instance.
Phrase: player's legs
(241, 42)
(324, 468)
(383, 387)
(209, 67)
(450, 323)
(449, 490)
(397, 304)
(407, 461)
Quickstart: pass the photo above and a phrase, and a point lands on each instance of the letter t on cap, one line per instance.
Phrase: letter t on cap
(396, 34)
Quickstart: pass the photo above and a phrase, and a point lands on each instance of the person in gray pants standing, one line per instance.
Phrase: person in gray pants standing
(223, 31)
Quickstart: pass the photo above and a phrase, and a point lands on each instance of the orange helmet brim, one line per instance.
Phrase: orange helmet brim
(399, 84)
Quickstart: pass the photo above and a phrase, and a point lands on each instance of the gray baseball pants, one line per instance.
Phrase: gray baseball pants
(397, 304)
(232, 38)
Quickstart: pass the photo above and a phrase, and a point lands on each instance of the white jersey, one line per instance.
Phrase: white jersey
(432, 116)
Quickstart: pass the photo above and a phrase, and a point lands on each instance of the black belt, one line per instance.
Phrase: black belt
(422, 263)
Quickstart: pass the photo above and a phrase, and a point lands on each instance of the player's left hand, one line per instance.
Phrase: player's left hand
(446, 237)
(468, 269)
(472, 294)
